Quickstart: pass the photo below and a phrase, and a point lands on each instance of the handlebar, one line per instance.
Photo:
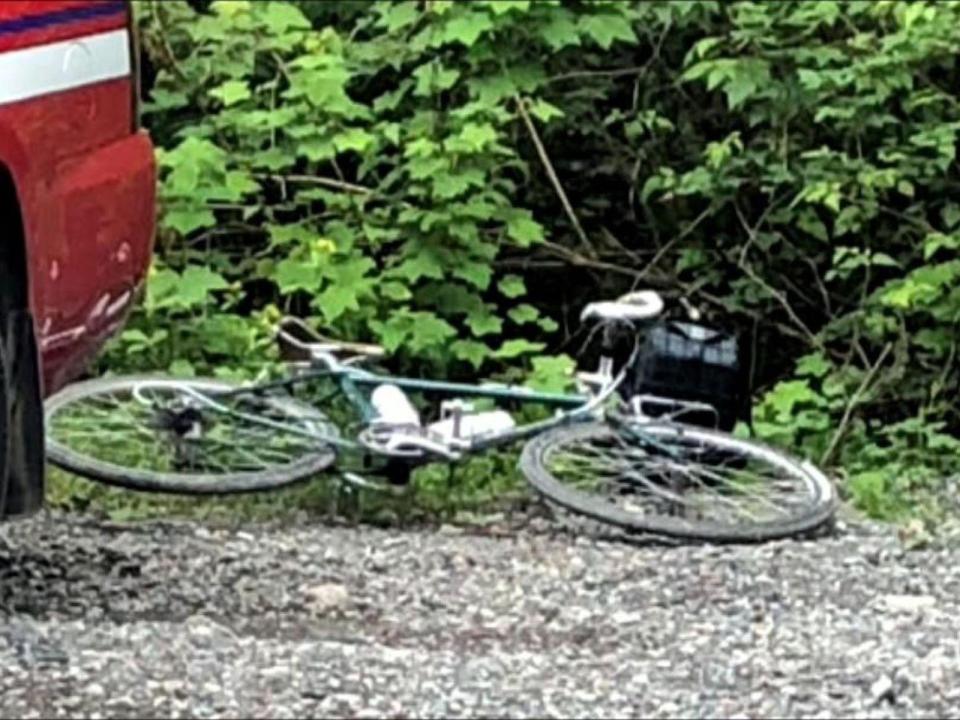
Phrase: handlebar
(309, 344)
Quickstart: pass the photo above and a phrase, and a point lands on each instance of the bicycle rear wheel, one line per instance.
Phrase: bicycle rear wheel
(678, 481)
(192, 436)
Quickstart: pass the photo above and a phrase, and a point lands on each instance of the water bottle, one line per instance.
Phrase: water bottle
(393, 406)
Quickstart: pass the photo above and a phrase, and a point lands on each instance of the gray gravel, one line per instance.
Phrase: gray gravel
(310, 621)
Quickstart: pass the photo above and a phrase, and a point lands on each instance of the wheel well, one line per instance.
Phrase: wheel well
(13, 249)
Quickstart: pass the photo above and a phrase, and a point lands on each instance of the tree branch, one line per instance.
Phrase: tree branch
(331, 183)
(776, 294)
(551, 173)
(852, 405)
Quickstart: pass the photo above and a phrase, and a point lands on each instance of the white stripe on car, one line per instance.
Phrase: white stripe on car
(65, 65)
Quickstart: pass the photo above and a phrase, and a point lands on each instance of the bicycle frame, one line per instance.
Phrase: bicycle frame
(571, 407)
(352, 381)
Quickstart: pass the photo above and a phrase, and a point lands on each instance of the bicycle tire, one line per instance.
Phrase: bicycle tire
(819, 510)
(5, 434)
(73, 461)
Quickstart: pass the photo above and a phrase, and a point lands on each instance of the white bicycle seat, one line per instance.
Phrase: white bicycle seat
(632, 307)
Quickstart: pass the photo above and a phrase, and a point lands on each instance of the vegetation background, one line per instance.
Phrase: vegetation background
(454, 180)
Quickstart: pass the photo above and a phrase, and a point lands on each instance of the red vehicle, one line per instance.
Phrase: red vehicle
(77, 186)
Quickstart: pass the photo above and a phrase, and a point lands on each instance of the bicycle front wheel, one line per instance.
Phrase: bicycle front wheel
(191, 436)
(678, 481)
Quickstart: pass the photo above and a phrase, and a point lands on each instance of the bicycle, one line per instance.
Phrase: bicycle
(601, 455)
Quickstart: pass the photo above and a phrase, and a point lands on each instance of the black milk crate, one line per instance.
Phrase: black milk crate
(691, 362)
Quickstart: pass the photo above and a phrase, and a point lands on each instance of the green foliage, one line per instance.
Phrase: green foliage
(789, 167)
(367, 177)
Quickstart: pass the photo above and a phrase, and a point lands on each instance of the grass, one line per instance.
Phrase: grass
(478, 486)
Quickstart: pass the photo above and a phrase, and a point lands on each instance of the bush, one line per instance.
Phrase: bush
(454, 180)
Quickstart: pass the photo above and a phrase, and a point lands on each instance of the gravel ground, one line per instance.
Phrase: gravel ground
(311, 621)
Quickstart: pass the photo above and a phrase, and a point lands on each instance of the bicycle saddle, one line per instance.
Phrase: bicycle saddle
(632, 307)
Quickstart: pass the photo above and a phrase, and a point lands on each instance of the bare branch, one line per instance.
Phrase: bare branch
(776, 294)
(676, 239)
(331, 183)
(551, 173)
(852, 405)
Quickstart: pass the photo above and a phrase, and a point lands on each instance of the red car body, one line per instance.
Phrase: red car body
(83, 171)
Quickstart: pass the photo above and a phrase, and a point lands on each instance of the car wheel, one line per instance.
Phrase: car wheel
(23, 411)
(4, 428)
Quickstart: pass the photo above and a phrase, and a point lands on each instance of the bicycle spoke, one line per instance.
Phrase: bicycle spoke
(126, 427)
(675, 475)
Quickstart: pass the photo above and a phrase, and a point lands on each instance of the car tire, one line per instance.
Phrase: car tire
(23, 410)
(5, 443)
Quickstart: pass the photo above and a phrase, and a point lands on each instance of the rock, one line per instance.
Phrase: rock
(909, 603)
(882, 691)
(324, 598)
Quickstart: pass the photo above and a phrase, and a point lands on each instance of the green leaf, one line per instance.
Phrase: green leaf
(351, 271)
(162, 285)
(544, 111)
(432, 77)
(516, 348)
(282, 16)
(476, 273)
(812, 225)
(398, 15)
(492, 89)
(353, 138)
(523, 313)
(423, 264)
(547, 324)
(501, 7)
(560, 30)
(950, 215)
(181, 368)
(429, 331)
(512, 286)
(813, 365)
(552, 374)
(787, 395)
(162, 99)
(231, 92)
(197, 282)
(699, 70)
(348, 281)
(450, 185)
(292, 275)
(702, 47)
(525, 230)
(395, 291)
(336, 300)
(474, 137)
(239, 184)
(745, 81)
(441, 7)
(467, 27)
(470, 350)
(188, 220)
(905, 187)
(934, 242)
(483, 322)
(317, 149)
(604, 29)
(450, 298)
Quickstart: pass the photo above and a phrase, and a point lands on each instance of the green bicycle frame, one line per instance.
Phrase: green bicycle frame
(571, 407)
(351, 380)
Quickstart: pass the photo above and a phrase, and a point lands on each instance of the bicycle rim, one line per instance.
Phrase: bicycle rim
(680, 481)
